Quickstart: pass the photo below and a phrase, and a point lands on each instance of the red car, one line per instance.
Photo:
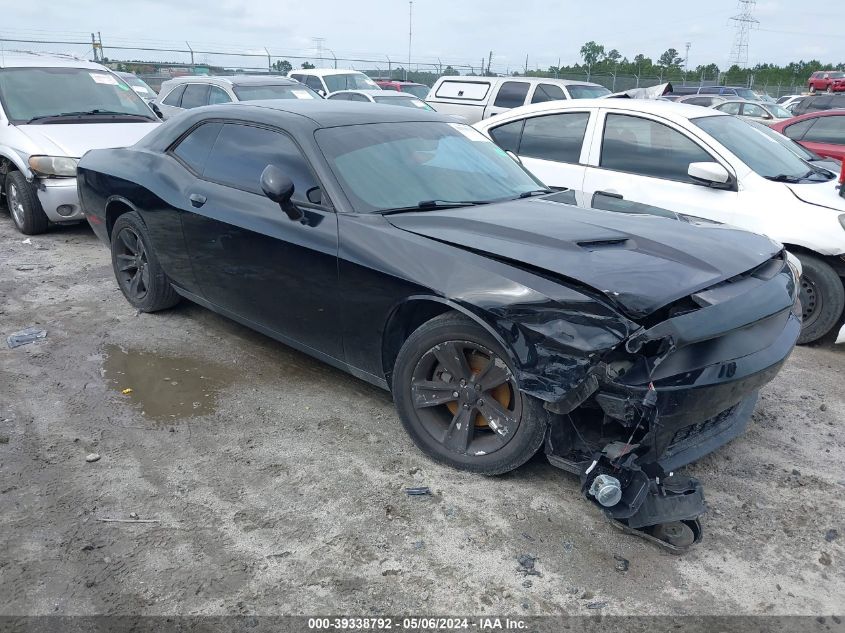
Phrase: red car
(826, 80)
(820, 132)
(418, 90)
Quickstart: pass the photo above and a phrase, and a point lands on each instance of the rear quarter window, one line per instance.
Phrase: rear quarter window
(193, 149)
(469, 90)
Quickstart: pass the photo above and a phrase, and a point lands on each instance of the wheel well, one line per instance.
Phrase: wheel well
(837, 263)
(404, 320)
(114, 210)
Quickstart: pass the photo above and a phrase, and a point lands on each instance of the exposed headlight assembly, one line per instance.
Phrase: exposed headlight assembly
(53, 166)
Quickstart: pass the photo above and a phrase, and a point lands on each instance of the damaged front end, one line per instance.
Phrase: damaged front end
(676, 389)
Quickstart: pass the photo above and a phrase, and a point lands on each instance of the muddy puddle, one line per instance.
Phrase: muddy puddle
(165, 388)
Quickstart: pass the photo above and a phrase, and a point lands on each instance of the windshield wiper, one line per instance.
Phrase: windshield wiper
(82, 113)
(785, 178)
(425, 205)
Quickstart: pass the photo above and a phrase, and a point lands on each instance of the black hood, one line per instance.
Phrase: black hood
(640, 262)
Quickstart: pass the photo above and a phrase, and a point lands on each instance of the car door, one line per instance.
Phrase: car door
(826, 136)
(645, 159)
(550, 146)
(248, 257)
(510, 94)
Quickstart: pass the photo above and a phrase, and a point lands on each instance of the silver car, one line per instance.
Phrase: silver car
(765, 113)
(53, 109)
(385, 97)
(184, 93)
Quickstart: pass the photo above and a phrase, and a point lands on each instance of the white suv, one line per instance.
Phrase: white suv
(325, 81)
(53, 109)
(696, 161)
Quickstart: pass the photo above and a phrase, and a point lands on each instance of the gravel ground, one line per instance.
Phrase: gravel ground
(266, 482)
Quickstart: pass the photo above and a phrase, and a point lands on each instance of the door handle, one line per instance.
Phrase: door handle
(197, 199)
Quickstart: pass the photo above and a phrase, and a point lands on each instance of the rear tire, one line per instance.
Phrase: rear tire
(822, 298)
(139, 275)
(24, 206)
(468, 414)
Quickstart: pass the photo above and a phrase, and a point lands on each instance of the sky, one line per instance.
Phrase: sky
(457, 32)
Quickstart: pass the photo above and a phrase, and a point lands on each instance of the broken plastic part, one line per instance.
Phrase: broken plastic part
(607, 490)
(25, 337)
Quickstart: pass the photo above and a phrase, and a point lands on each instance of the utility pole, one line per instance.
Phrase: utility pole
(410, 34)
(94, 48)
(192, 52)
(526, 63)
(686, 62)
(489, 61)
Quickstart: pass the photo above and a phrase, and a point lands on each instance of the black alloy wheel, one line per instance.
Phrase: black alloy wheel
(459, 398)
(132, 267)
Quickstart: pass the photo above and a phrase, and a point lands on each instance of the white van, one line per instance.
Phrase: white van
(325, 81)
(476, 98)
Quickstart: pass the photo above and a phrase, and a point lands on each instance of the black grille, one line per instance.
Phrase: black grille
(709, 426)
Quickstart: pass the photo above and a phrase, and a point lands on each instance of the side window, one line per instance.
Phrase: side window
(641, 146)
(708, 90)
(751, 109)
(730, 108)
(702, 101)
(796, 130)
(218, 95)
(507, 136)
(193, 150)
(547, 92)
(556, 137)
(313, 82)
(356, 97)
(511, 94)
(228, 163)
(828, 129)
(175, 96)
(340, 96)
(196, 95)
(299, 78)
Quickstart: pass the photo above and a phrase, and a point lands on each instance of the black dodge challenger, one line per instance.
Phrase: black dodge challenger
(415, 254)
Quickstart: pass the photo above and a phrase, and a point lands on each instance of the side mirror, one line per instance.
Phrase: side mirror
(321, 92)
(279, 188)
(711, 174)
(156, 109)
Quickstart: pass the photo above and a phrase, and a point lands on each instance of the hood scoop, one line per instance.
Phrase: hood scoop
(594, 245)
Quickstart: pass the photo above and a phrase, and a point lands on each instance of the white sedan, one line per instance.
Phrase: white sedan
(696, 161)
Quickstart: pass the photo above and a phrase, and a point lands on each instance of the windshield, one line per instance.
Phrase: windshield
(746, 93)
(349, 81)
(138, 84)
(407, 102)
(278, 91)
(580, 91)
(764, 155)
(31, 93)
(787, 142)
(385, 166)
(779, 112)
(418, 90)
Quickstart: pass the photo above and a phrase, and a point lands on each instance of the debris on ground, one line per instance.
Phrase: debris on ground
(622, 564)
(597, 605)
(831, 535)
(126, 391)
(92, 457)
(24, 337)
(419, 491)
(4, 439)
(825, 559)
(587, 595)
(526, 565)
(26, 241)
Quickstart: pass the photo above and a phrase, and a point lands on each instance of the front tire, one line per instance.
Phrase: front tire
(457, 395)
(24, 206)
(822, 298)
(139, 275)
